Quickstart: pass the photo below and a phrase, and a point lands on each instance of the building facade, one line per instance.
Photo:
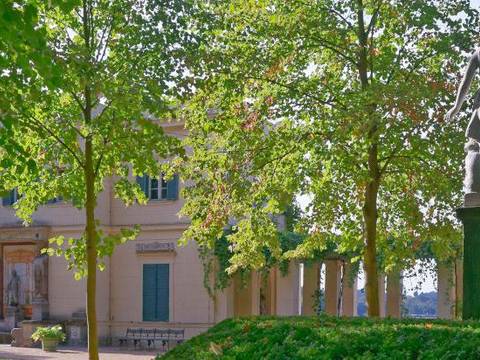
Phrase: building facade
(149, 282)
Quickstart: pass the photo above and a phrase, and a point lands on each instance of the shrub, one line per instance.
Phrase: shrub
(51, 332)
(326, 337)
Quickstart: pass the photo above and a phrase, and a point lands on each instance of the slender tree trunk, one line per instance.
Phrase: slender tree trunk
(370, 219)
(371, 192)
(90, 204)
(91, 239)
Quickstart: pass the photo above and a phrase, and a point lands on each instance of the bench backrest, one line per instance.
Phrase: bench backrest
(163, 334)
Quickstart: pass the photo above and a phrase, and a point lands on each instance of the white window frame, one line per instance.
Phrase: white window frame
(161, 188)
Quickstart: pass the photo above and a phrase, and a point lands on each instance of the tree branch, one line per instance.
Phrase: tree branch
(329, 45)
(290, 87)
(373, 21)
(42, 126)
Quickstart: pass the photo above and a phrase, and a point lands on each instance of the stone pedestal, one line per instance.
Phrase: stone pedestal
(470, 217)
(76, 330)
(12, 317)
(17, 337)
(28, 327)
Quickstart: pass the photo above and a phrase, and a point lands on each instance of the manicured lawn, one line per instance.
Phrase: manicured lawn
(278, 338)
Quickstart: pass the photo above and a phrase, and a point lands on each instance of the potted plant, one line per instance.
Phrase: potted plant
(50, 337)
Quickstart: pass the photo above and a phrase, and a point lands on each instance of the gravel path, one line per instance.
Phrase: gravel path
(70, 353)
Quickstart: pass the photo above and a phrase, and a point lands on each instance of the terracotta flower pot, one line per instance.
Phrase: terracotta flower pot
(49, 344)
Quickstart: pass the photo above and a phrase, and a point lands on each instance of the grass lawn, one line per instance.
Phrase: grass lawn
(333, 338)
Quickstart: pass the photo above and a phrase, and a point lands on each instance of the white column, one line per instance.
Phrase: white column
(224, 303)
(242, 296)
(394, 294)
(332, 286)
(446, 291)
(288, 291)
(381, 294)
(311, 285)
(256, 284)
(349, 292)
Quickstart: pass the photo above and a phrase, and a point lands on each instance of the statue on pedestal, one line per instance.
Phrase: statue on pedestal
(40, 277)
(472, 147)
(13, 289)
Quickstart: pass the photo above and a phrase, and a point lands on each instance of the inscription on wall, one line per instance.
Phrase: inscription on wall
(154, 247)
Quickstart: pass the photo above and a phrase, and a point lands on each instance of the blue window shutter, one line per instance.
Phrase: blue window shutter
(143, 182)
(163, 292)
(172, 188)
(149, 292)
(9, 199)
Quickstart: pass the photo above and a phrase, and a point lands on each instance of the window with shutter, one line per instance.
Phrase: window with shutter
(11, 198)
(156, 292)
(172, 188)
(158, 188)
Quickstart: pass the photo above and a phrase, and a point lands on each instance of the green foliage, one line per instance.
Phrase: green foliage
(217, 261)
(299, 98)
(51, 332)
(103, 73)
(332, 338)
(74, 249)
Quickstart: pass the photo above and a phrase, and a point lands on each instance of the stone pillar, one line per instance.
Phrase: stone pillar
(288, 291)
(272, 278)
(349, 292)
(470, 217)
(446, 291)
(381, 294)
(394, 294)
(224, 303)
(332, 286)
(458, 287)
(311, 285)
(242, 296)
(256, 284)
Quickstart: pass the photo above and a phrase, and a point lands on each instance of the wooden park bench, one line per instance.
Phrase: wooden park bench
(150, 336)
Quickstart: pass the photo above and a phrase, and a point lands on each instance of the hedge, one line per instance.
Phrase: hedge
(324, 337)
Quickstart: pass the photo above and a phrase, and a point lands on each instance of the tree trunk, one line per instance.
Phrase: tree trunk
(371, 191)
(91, 239)
(370, 260)
(90, 236)
(90, 203)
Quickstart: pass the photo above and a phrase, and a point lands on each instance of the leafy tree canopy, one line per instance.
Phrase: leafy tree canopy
(342, 101)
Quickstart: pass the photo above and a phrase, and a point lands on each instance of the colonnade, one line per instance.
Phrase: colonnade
(296, 292)
(340, 289)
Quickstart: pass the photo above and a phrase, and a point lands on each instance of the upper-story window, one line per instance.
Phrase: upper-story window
(158, 188)
(11, 198)
(55, 200)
